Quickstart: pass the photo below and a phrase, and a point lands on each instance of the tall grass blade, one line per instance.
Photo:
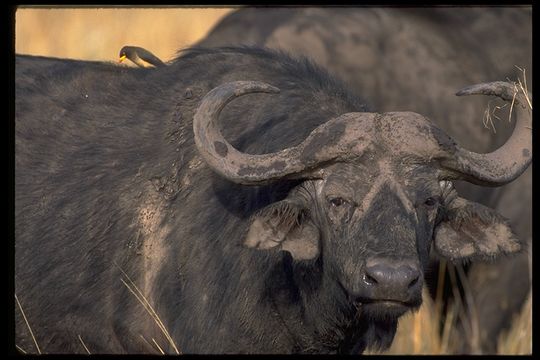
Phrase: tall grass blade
(27, 324)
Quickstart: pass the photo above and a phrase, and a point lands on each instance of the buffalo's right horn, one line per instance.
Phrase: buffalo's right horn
(511, 159)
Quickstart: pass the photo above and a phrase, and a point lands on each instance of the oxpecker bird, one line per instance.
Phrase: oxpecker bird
(139, 56)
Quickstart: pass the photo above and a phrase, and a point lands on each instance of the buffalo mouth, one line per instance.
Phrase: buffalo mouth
(385, 309)
(382, 306)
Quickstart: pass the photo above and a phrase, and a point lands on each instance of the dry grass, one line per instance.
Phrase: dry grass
(489, 115)
(21, 349)
(27, 325)
(84, 345)
(130, 285)
(99, 34)
(519, 86)
(523, 87)
(518, 339)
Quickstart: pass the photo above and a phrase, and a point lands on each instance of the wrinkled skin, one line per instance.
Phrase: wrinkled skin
(390, 55)
(111, 192)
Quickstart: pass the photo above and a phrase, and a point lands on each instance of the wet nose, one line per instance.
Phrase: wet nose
(393, 279)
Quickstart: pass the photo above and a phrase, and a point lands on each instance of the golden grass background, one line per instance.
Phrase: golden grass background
(98, 34)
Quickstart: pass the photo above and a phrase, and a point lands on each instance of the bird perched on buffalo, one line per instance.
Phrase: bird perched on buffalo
(139, 56)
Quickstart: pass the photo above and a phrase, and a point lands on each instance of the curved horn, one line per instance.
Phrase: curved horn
(323, 144)
(510, 160)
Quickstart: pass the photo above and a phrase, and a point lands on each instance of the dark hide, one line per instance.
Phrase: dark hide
(113, 204)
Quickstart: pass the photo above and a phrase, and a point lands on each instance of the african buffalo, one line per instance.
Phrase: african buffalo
(237, 200)
(390, 55)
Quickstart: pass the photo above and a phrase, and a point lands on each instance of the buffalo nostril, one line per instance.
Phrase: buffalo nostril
(370, 280)
(414, 281)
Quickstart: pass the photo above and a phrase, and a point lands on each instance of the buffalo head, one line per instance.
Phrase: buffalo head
(376, 192)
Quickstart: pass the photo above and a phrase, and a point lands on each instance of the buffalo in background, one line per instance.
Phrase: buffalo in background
(415, 59)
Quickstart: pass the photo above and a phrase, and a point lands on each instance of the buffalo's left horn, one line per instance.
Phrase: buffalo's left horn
(511, 159)
(326, 142)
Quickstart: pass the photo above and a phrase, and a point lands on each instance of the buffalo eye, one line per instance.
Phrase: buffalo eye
(431, 202)
(336, 202)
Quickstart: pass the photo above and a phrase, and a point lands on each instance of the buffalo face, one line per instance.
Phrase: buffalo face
(376, 193)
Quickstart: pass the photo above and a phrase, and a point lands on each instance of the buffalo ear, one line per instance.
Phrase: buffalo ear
(471, 230)
(284, 225)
